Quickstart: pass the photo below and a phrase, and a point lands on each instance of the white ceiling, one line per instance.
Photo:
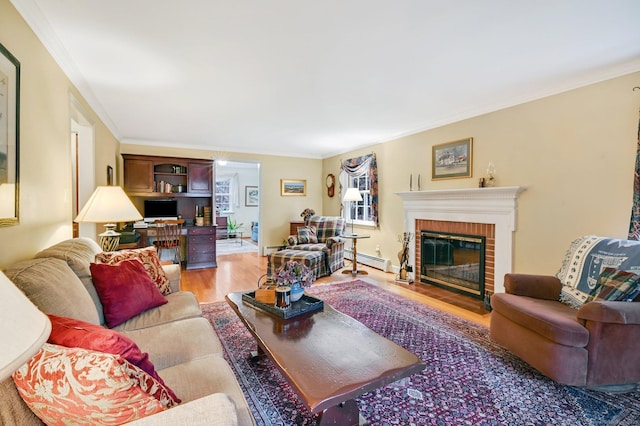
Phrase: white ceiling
(315, 79)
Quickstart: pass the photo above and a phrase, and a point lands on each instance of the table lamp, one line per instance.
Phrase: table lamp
(23, 328)
(352, 194)
(109, 205)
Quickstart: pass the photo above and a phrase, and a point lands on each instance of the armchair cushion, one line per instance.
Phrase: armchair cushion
(307, 235)
(538, 286)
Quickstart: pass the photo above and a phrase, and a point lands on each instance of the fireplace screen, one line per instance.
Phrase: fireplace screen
(453, 261)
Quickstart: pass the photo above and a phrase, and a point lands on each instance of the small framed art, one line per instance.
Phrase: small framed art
(452, 159)
(293, 187)
(251, 196)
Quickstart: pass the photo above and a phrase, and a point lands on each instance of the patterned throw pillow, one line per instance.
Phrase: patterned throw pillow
(149, 258)
(74, 333)
(76, 386)
(616, 285)
(307, 235)
(125, 290)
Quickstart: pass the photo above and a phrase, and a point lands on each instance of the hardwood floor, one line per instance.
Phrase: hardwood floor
(241, 272)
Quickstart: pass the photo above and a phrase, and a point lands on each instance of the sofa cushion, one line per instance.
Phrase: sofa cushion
(555, 321)
(125, 290)
(179, 306)
(64, 296)
(586, 258)
(201, 377)
(74, 333)
(616, 285)
(78, 253)
(77, 386)
(149, 258)
(307, 235)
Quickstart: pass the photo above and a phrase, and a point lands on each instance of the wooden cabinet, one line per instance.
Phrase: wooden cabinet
(293, 227)
(201, 247)
(146, 175)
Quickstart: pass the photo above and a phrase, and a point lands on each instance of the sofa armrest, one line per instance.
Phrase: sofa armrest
(610, 312)
(538, 286)
(173, 273)
(214, 409)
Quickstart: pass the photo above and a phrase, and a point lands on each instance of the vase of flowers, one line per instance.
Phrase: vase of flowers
(296, 275)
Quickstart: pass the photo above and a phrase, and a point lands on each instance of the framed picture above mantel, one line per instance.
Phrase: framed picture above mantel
(452, 160)
(9, 137)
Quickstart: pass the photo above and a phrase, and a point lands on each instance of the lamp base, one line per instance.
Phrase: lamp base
(109, 239)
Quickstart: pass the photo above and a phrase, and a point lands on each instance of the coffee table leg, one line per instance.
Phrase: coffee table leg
(342, 414)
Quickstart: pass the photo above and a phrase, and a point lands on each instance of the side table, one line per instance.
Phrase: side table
(354, 268)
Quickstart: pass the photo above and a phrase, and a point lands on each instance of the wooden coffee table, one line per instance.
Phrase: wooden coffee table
(328, 357)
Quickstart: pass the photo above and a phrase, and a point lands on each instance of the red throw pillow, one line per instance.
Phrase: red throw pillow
(77, 386)
(74, 333)
(149, 258)
(125, 290)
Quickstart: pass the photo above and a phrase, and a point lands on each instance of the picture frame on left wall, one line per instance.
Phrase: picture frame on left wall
(9, 137)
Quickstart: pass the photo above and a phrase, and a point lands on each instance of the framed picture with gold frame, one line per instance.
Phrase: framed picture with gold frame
(452, 160)
(292, 187)
(9, 137)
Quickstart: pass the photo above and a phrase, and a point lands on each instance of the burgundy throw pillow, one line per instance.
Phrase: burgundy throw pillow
(125, 290)
(149, 258)
(74, 333)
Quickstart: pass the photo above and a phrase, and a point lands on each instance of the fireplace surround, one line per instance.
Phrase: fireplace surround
(487, 212)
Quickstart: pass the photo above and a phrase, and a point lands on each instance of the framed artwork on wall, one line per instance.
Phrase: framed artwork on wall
(452, 159)
(9, 137)
(251, 196)
(293, 187)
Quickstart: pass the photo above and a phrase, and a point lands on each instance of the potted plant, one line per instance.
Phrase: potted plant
(233, 226)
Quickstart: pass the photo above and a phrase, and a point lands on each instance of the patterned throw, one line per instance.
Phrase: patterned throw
(469, 380)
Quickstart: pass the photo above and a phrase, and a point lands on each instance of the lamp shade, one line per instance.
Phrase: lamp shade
(352, 194)
(23, 328)
(108, 204)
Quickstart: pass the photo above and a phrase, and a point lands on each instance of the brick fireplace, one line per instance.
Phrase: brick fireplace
(486, 212)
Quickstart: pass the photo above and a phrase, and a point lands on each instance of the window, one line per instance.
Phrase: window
(360, 212)
(223, 195)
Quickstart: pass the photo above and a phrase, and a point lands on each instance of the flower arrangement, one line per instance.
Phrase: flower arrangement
(293, 272)
(307, 213)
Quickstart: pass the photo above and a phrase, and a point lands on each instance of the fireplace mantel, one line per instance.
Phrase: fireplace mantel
(497, 205)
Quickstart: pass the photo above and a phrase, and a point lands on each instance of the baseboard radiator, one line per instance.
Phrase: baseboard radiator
(367, 259)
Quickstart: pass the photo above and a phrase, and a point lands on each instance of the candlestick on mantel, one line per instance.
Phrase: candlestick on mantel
(411, 182)
(418, 182)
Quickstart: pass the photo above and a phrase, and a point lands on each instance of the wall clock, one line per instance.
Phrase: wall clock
(331, 184)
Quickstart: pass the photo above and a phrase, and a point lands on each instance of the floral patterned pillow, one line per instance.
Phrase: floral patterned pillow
(81, 387)
(149, 258)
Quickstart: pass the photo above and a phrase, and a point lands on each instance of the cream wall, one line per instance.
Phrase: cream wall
(45, 158)
(275, 211)
(574, 152)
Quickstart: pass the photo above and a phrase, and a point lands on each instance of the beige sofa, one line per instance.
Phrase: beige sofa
(181, 343)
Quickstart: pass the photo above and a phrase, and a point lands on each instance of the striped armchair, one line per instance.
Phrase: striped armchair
(321, 234)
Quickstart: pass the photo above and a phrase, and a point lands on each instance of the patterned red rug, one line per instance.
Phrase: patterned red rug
(469, 380)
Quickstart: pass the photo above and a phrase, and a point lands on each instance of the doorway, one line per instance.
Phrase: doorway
(83, 181)
(237, 204)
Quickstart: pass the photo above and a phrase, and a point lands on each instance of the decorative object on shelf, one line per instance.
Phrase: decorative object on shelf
(403, 257)
(452, 159)
(331, 185)
(289, 187)
(294, 275)
(110, 205)
(251, 196)
(352, 194)
(491, 176)
(9, 137)
(306, 214)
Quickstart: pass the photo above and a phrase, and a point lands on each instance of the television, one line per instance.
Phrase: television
(160, 209)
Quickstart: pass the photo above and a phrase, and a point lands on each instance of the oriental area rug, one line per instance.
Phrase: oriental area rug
(468, 380)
